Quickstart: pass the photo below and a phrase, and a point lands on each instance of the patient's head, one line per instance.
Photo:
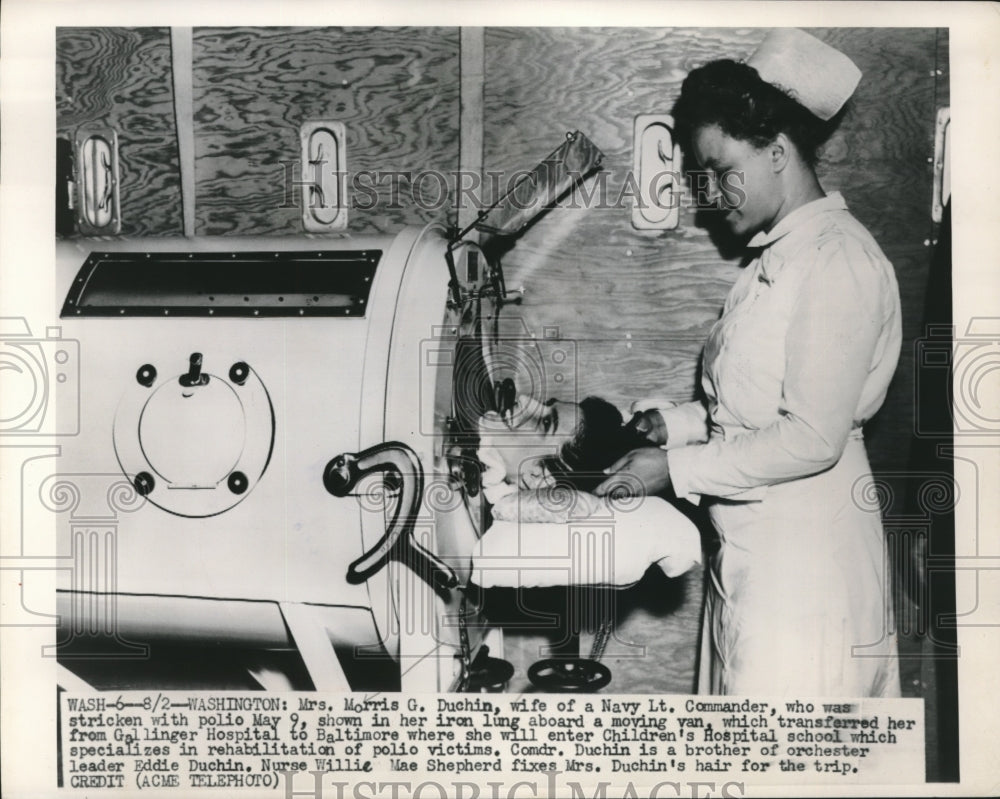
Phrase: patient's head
(600, 439)
(555, 441)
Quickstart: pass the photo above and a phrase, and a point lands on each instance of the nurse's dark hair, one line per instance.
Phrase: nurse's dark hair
(733, 96)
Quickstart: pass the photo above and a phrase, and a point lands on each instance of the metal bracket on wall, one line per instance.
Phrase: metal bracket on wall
(98, 204)
(942, 163)
(656, 169)
(65, 188)
(324, 172)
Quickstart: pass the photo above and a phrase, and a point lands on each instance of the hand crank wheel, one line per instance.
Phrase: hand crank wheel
(569, 674)
(489, 675)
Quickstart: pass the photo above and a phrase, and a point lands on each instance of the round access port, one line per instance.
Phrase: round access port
(200, 444)
(193, 436)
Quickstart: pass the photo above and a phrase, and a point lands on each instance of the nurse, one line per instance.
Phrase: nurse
(799, 601)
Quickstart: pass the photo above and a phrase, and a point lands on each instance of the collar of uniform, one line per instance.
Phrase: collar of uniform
(831, 202)
(770, 261)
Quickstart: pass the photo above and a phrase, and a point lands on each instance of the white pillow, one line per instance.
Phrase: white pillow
(613, 547)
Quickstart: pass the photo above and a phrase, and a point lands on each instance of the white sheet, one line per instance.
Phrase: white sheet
(612, 548)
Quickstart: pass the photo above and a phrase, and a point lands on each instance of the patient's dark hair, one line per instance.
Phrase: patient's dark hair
(733, 96)
(601, 438)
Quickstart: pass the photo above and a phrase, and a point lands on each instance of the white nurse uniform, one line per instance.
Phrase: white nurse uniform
(799, 599)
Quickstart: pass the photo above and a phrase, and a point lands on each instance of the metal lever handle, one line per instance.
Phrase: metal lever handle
(403, 471)
(194, 376)
(105, 202)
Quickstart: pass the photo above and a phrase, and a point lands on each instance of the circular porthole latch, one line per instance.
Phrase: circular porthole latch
(239, 372)
(146, 375)
(144, 484)
(237, 482)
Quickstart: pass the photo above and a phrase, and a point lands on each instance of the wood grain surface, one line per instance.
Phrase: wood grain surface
(121, 78)
(396, 90)
(586, 270)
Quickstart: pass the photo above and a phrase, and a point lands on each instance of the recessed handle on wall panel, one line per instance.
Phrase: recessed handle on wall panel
(656, 170)
(324, 165)
(98, 200)
(942, 163)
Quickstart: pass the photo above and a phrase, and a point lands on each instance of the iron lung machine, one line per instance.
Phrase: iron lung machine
(219, 383)
(277, 451)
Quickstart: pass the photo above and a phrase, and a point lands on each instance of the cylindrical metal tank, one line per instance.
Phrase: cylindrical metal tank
(217, 380)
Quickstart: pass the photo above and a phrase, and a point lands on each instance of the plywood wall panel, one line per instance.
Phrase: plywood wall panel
(396, 91)
(587, 270)
(942, 68)
(121, 78)
(658, 363)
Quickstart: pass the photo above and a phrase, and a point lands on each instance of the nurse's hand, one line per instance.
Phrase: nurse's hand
(644, 470)
(650, 423)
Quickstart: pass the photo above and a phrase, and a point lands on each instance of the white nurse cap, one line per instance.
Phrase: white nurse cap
(814, 74)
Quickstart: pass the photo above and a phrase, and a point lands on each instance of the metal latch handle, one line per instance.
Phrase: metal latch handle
(402, 470)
